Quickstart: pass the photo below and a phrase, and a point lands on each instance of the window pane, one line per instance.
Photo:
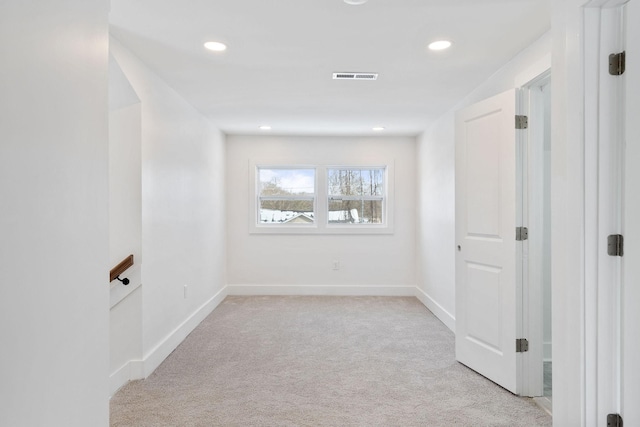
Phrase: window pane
(372, 182)
(355, 182)
(333, 180)
(355, 212)
(286, 211)
(286, 182)
(344, 182)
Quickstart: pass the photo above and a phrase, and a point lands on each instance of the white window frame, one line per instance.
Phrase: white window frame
(383, 198)
(255, 208)
(321, 203)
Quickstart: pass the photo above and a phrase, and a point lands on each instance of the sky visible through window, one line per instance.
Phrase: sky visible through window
(292, 181)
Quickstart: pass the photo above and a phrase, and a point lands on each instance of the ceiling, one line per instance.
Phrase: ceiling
(281, 54)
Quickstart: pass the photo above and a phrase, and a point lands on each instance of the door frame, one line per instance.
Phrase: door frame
(529, 165)
(631, 290)
(603, 97)
(531, 168)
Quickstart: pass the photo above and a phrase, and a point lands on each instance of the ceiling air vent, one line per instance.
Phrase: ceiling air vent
(355, 76)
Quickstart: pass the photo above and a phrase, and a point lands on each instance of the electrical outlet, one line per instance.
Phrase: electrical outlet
(336, 265)
(186, 287)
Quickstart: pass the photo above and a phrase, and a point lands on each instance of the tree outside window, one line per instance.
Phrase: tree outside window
(356, 196)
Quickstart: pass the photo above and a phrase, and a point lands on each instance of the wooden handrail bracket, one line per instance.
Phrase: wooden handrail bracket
(120, 268)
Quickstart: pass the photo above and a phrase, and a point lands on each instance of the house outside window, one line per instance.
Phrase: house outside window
(286, 196)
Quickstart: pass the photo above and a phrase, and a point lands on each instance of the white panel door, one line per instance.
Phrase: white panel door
(486, 253)
(631, 260)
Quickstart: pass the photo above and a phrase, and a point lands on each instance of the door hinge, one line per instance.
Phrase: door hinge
(614, 420)
(615, 245)
(522, 122)
(522, 233)
(617, 63)
(522, 345)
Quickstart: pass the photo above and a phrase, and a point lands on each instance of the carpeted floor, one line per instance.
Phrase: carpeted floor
(319, 361)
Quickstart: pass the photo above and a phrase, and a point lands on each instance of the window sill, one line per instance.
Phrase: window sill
(326, 230)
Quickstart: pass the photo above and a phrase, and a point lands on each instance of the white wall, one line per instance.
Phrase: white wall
(435, 227)
(183, 212)
(125, 205)
(303, 263)
(125, 227)
(54, 291)
(436, 184)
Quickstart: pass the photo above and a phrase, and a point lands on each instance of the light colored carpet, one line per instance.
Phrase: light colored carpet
(319, 361)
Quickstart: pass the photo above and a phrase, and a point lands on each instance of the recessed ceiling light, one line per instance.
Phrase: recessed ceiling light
(355, 2)
(265, 127)
(215, 46)
(378, 129)
(440, 45)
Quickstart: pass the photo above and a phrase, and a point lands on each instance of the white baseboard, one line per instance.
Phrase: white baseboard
(156, 356)
(132, 370)
(119, 378)
(139, 369)
(445, 317)
(329, 290)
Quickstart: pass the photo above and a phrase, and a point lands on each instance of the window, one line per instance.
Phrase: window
(320, 199)
(355, 196)
(286, 196)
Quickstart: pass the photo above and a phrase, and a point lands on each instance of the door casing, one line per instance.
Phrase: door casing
(531, 172)
(604, 32)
